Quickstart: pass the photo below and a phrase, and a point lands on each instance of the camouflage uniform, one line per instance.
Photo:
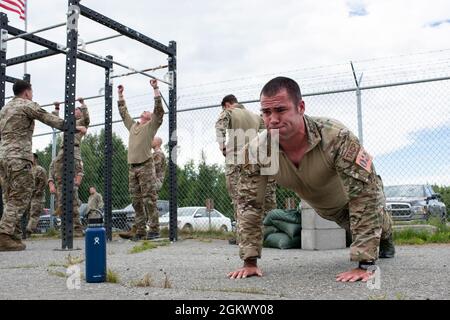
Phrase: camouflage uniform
(38, 197)
(336, 177)
(159, 160)
(141, 172)
(95, 202)
(235, 119)
(56, 171)
(16, 127)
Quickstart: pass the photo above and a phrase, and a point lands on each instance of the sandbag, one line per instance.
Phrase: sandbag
(292, 216)
(291, 229)
(269, 230)
(281, 240)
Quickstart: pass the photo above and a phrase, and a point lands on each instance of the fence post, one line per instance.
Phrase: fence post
(358, 104)
(209, 209)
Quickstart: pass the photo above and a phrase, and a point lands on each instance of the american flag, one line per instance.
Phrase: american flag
(17, 6)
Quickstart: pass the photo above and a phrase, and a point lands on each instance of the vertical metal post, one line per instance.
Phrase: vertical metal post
(52, 196)
(173, 144)
(27, 77)
(108, 150)
(69, 125)
(3, 25)
(358, 104)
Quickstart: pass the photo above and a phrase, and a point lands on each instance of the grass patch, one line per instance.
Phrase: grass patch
(208, 234)
(418, 237)
(70, 261)
(57, 273)
(146, 281)
(51, 233)
(167, 284)
(112, 276)
(380, 297)
(148, 245)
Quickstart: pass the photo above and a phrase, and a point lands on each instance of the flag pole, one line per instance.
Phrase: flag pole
(26, 29)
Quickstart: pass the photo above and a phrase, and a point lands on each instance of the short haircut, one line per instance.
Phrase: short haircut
(20, 86)
(277, 84)
(229, 99)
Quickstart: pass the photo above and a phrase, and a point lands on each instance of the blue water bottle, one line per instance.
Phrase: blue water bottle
(95, 241)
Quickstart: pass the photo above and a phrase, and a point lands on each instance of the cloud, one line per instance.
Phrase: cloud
(356, 8)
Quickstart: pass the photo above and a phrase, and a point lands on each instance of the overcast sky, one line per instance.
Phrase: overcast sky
(251, 41)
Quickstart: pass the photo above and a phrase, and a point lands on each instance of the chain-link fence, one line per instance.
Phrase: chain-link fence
(401, 115)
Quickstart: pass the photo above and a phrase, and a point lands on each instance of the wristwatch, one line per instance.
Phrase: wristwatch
(365, 264)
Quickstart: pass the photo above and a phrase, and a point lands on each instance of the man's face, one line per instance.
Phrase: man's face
(280, 112)
(77, 113)
(228, 106)
(146, 116)
(92, 190)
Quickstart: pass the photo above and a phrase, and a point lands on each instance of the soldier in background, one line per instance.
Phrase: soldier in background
(95, 201)
(159, 159)
(38, 196)
(241, 125)
(141, 172)
(56, 167)
(325, 164)
(16, 158)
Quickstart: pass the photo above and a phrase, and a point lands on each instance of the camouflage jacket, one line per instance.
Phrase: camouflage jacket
(241, 125)
(141, 135)
(17, 126)
(336, 173)
(95, 201)
(83, 121)
(159, 160)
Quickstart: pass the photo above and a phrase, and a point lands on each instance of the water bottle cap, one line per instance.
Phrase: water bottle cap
(95, 220)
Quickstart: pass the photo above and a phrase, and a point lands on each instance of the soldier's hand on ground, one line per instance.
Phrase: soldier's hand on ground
(245, 272)
(120, 89)
(354, 275)
(154, 83)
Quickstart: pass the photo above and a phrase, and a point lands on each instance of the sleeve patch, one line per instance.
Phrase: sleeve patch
(364, 160)
(351, 152)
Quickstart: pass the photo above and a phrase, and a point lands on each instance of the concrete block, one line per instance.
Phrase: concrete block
(311, 220)
(323, 239)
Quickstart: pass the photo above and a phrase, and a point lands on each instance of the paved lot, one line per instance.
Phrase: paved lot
(197, 269)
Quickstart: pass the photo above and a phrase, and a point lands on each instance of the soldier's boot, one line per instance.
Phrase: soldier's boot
(141, 234)
(128, 234)
(387, 248)
(232, 241)
(7, 243)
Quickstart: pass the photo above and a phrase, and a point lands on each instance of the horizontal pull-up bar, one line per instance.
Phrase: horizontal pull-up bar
(35, 31)
(103, 39)
(63, 102)
(145, 70)
(124, 66)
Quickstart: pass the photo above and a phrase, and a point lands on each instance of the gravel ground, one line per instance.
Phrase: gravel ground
(196, 270)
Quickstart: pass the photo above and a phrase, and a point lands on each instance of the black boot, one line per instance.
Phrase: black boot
(387, 249)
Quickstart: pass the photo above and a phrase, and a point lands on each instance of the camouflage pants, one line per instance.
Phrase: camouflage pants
(232, 174)
(17, 179)
(36, 207)
(366, 217)
(75, 199)
(141, 185)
